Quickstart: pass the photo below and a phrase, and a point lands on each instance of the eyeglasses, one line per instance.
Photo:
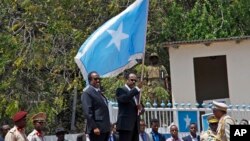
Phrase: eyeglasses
(134, 80)
(40, 122)
(97, 78)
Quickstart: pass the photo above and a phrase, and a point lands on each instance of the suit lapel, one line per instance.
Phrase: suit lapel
(127, 90)
(190, 138)
(99, 95)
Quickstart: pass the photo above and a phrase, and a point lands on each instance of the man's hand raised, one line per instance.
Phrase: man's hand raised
(140, 84)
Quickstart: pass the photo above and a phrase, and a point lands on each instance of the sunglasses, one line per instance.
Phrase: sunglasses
(133, 80)
(40, 122)
(98, 78)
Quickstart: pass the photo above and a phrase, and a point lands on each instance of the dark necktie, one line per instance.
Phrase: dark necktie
(103, 97)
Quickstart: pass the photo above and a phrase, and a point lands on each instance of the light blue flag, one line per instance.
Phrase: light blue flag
(117, 44)
(204, 121)
(185, 118)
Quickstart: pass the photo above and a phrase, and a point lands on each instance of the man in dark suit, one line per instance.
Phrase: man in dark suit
(144, 136)
(114, 136)
(81, 137)
(128, 104)
(193, 136)
(154, 134)
(95, 108)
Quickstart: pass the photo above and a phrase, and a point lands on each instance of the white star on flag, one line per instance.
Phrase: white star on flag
(118, 43)
(187, 120)
(117, 36)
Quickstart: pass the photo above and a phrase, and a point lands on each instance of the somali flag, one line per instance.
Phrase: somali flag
(117, 44)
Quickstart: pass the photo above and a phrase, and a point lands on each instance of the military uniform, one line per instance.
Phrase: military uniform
(223, 130)
(208, 135)
(16, 134)
(156, 76)
(36, 135)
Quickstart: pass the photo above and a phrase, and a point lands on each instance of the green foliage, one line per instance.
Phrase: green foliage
(39, 39)
(110, 85)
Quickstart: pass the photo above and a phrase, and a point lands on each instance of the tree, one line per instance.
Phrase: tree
(39, 39)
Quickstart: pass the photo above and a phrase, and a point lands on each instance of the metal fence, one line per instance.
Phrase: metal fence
(169, 115)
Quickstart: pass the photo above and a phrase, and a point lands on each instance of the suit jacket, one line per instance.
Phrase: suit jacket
(127, 112)
(95, 110)
(147, 137)
(189, 138)
(161, 137)
(81, 137)
(115, 137)
(1, 139)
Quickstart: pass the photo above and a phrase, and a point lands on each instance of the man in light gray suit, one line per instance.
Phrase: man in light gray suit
(143, 135)
(95, 108)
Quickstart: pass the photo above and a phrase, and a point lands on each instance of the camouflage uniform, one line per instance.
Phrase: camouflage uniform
(208, 135)
(156, 76)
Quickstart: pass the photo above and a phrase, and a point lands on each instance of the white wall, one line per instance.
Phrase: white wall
(238, 67)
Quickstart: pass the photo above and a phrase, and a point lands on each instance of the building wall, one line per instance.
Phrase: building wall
(238, 67)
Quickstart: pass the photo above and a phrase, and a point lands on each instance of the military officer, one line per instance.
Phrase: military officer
(17, 133)
(210, 134)
(220, 112)
(39, 124)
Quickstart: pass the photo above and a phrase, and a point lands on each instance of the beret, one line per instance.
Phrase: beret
(19, 115)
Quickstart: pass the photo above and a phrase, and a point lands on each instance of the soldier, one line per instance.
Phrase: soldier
(17, 133)
(220, 112)
(39, 124)
(210, 134)
(156, 75)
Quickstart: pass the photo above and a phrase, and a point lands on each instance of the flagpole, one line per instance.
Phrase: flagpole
(143, 55)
